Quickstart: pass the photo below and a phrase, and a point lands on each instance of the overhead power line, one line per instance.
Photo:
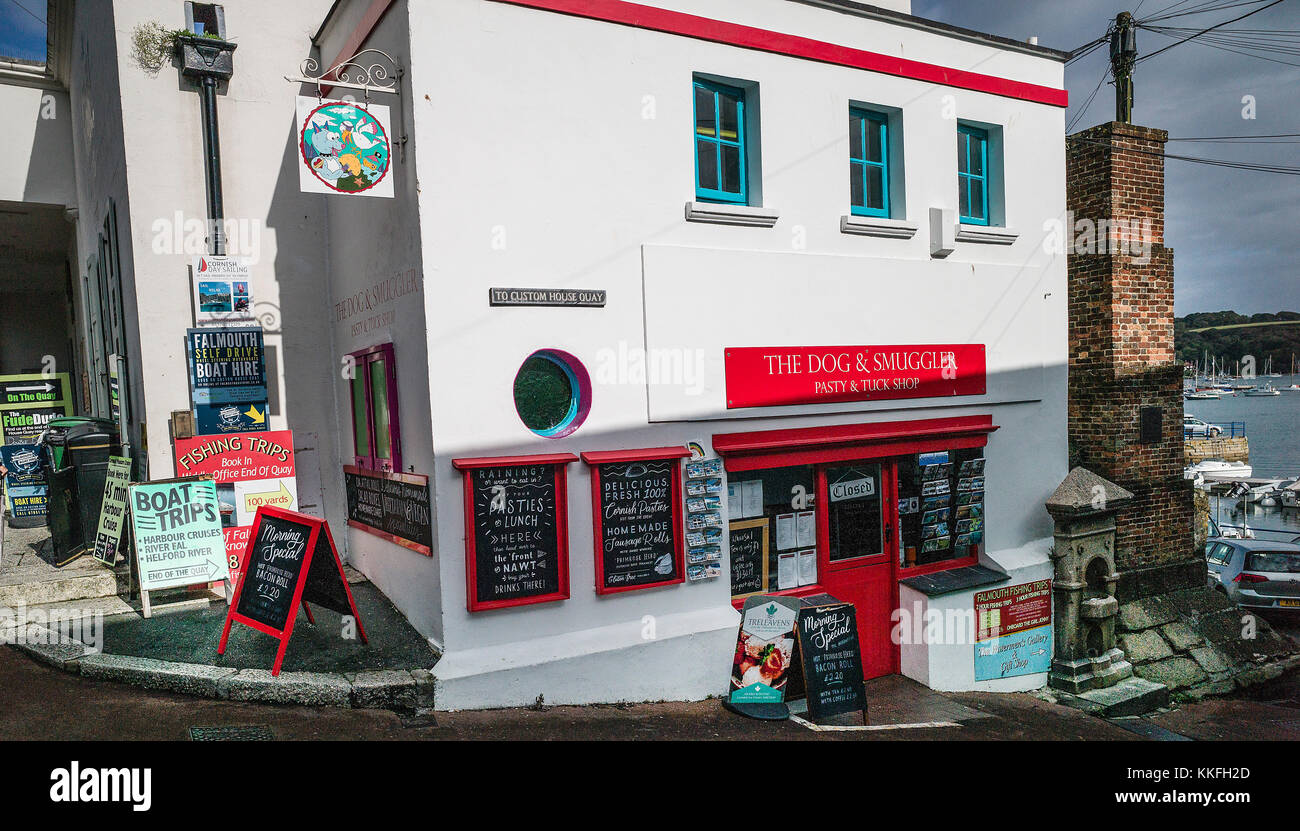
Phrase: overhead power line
(1209, 29)
(1236, 165)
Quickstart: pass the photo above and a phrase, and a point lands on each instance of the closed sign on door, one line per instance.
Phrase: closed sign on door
(852, 489)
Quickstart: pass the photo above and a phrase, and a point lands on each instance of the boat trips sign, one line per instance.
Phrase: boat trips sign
(775, 376)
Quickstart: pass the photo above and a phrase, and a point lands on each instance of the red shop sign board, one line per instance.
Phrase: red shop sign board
(291, 560)
(776, 376)
(1011, 609)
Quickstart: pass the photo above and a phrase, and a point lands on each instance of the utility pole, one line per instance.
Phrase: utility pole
(1123, 54)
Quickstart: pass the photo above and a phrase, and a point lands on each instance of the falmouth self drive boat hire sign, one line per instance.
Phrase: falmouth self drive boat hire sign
(774, 376)
(228, 379)
(291, 561)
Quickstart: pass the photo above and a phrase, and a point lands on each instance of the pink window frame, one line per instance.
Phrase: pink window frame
(362, 359)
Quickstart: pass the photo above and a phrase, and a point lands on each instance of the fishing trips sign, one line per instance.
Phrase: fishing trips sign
(1013, 630)
(251, 470)
(291, 561)
(516, 530)
(227, 379)
(774, 376)
(637, 516)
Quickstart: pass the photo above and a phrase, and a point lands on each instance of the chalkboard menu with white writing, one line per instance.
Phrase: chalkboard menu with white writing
(394, 506)
(638, 517)
(748, 541)
(272, 568)
(831, 660)
(518, 542)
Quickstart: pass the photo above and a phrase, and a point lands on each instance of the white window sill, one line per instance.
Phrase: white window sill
(875, 226)
(986, 234)
(724, 214)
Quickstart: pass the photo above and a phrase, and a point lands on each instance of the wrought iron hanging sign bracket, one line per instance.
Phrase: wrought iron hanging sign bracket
(370, 71)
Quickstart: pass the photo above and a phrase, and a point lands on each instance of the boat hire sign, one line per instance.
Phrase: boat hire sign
(344, 148)
(228, 379)
(776, 376)
(516, 530)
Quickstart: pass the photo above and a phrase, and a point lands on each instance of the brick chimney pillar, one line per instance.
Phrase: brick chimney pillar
(1125, 384)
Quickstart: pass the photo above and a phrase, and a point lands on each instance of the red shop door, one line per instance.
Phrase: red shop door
(858, 551)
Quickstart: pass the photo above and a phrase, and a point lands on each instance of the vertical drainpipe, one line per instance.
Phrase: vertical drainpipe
(209, 60)
(212, 166)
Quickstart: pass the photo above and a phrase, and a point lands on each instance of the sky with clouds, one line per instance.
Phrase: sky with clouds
(1233, 232)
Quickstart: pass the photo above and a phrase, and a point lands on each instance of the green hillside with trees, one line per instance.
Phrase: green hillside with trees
(1262, 335)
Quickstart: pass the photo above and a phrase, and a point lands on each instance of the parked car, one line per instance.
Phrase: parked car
(1257, 574)
(1195, 428)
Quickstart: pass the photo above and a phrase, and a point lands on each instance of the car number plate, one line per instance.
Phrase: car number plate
(1288, 603)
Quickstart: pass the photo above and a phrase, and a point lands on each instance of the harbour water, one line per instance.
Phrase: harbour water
(1273, 428)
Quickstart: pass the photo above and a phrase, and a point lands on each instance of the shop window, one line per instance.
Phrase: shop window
(868, 162)
(855, 525)
(773, 515)
(376, 438)
(552, 393)
(940, 506)
(721, 163)
(973, 174)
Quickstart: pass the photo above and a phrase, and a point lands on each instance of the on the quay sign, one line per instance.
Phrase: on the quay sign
(774, 376)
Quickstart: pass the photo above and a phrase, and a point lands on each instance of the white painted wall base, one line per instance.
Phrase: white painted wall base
(687, 660)
(950, 666)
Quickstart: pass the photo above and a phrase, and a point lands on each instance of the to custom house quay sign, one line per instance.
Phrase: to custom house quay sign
(545, 297)
(774, 376)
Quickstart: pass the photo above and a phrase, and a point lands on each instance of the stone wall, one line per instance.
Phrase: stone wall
(1197, 643)
(1229, 450)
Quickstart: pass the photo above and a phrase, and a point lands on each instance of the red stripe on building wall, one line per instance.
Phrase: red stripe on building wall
(748, 37)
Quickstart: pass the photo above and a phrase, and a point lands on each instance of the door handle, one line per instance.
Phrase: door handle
(889, 534)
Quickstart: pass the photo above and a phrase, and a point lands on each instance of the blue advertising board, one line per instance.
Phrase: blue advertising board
(25, 488)
(227, 379)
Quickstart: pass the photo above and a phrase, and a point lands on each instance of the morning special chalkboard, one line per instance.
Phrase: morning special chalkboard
(831, 660)
(290, 560)
(748, 543)
(517, 550)
(638, 517)
(394, 506)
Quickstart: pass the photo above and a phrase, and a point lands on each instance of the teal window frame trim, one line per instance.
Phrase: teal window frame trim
(704, 194)
(870, 120)
(574, 395)
(967, 137)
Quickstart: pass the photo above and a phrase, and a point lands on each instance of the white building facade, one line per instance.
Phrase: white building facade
(744, 254)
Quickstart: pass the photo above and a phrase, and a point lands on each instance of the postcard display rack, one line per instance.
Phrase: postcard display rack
(952, 505)
(704, 484)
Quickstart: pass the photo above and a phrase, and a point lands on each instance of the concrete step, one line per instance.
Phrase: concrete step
(1130, 697)
(61, 589)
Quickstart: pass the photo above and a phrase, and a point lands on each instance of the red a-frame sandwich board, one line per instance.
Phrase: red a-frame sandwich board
(283, 630)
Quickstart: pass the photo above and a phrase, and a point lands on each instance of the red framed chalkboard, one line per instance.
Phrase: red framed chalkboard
(291, 560)
(516, 530)
(636, 515)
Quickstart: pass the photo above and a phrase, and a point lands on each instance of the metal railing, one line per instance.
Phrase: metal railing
(1227, 430)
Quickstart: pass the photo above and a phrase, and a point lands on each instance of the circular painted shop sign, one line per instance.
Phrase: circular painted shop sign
(345, 147)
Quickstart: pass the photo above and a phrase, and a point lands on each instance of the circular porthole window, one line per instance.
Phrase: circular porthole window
(552, 393)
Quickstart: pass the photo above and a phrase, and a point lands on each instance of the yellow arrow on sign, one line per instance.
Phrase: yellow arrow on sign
(254, 415)
(279, 499)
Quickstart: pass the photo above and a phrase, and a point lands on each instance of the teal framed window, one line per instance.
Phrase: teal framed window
(973, 174)
(868, 162)
(720, 166)
(552, 393)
